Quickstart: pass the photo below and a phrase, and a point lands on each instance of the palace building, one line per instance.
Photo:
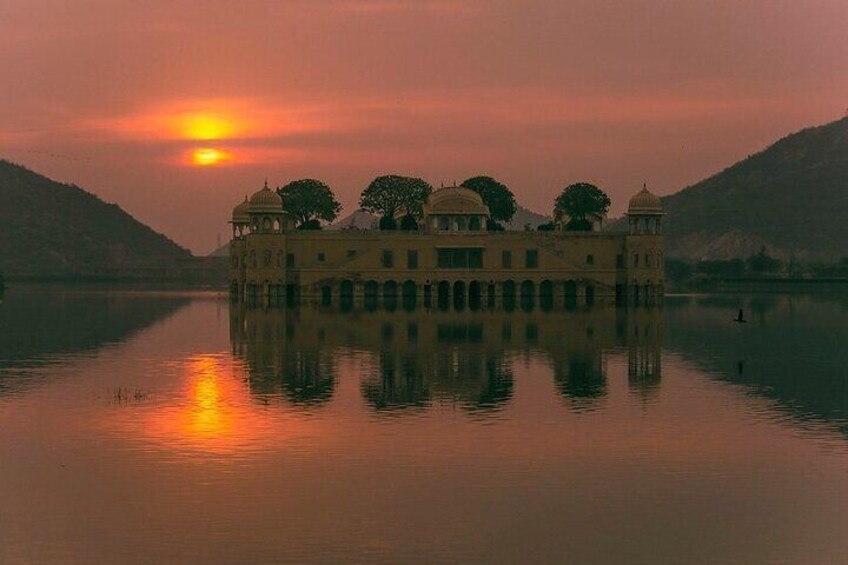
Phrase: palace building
(451, 257)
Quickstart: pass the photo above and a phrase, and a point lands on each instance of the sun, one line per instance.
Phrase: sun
(206, 156)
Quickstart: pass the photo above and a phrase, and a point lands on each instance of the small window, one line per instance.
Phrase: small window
(388, 259)
(506, 259)
(649, 260)
(531, 258)
(289, 259)
(590, 259)
(351, 253)
(619, 261)
(321, 257)
(635, 259)
(412, 259)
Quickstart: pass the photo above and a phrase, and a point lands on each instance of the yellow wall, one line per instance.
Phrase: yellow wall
(357, 256)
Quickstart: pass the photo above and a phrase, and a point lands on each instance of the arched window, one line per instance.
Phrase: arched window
(266, 223)
(266, 258)
(474, 224)
(279, 258)
(444, 223)
(253, 258)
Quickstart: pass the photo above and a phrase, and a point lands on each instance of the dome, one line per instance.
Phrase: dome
(241, 212)
(645, 202)
(266, 201)
(455, 200)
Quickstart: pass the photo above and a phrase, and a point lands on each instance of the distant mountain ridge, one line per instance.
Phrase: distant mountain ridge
(791, 198)
(51, 229)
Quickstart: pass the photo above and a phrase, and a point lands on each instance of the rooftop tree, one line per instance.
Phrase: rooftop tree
(497, 196)
(309, 201)
(581, 202)
(389, 195)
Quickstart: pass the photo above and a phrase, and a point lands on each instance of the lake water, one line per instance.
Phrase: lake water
(145, 428)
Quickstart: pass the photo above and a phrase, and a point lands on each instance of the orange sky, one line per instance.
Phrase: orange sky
(176, 109)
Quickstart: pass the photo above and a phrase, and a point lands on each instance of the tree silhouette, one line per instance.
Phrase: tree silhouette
(309, 201)
(762, 262)
(389, 194)
(497, 196)
(581, 202)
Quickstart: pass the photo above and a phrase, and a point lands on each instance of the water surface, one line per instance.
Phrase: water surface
(139, 428)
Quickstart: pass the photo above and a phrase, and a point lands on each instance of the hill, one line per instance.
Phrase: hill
(54, 230)
(791, 198)
(356, 220)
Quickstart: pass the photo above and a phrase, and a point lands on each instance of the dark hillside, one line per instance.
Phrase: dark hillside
(791, 198)
(50, 229)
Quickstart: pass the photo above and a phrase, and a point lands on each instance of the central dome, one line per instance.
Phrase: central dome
(645, 202)
(455, 200)
(266, 201)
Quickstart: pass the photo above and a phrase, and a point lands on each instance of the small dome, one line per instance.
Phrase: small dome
(455, 200)
(241, 212)
(266, 201)
(645, 202)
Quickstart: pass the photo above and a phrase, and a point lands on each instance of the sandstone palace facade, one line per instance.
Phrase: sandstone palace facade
(451, 258)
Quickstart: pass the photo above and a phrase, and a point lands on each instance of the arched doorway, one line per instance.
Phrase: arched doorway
(346, 289)
(474, 294)
(390, 289)
(508, 291)
(570, 292)
(409, 292)
(527, 295)
(546, 295)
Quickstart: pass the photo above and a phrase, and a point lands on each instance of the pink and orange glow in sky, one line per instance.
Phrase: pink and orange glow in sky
(176, 109)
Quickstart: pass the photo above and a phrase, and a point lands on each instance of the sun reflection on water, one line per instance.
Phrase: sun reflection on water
(211, 410)
(211, 415)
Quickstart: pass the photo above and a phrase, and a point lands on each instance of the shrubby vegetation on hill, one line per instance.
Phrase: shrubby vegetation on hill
(791, 198)
(759, 265)
(50, 229)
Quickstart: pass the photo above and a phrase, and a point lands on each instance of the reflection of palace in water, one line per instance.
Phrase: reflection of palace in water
(415, 358)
